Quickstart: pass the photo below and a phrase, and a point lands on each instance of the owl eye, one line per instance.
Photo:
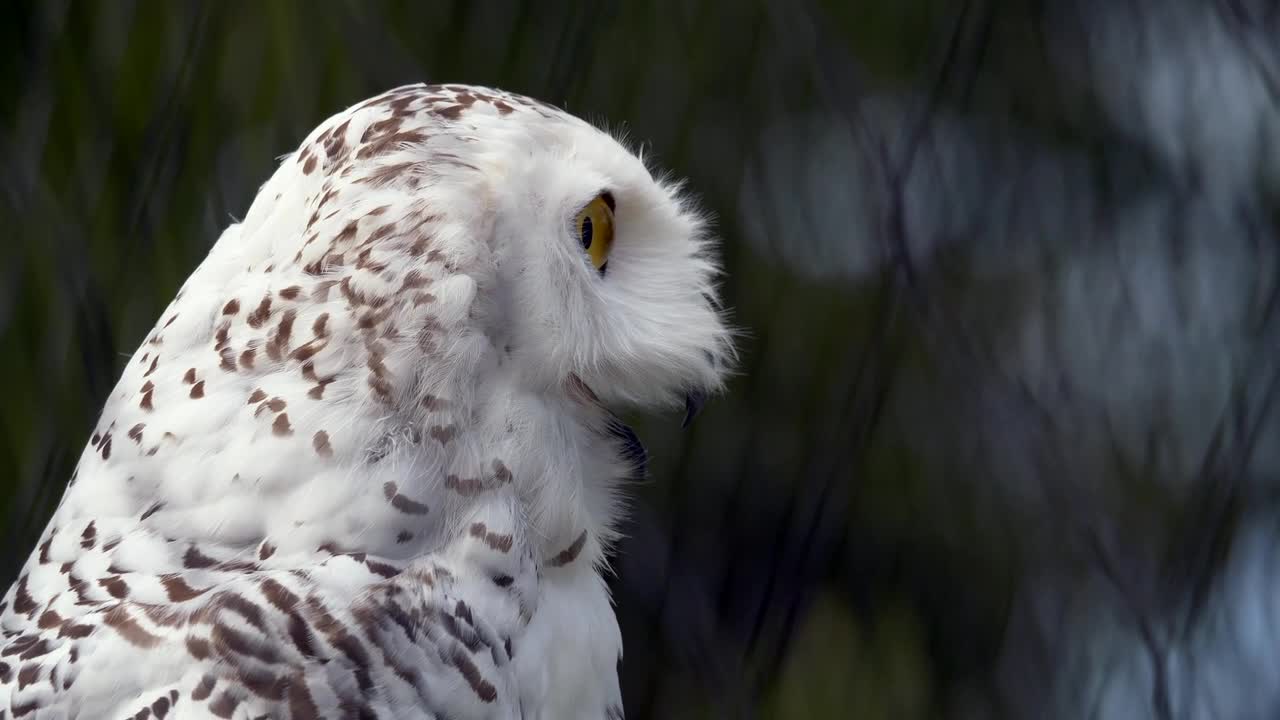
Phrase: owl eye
(594, 225)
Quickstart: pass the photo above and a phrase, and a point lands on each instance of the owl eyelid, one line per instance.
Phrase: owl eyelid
(605, 195)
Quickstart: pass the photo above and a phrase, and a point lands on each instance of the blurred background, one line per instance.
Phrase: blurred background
(1002, 442)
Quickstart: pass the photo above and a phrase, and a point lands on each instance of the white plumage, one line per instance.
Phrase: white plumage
(362, 466)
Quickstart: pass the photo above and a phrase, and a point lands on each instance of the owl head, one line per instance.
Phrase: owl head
(443, 289)
(459, 235)
(601, 274)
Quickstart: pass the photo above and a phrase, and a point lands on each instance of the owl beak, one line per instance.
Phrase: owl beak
(632, 449)
(693, 402)
(581, 392)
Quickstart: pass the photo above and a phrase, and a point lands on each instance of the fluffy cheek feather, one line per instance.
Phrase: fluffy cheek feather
(646, 331)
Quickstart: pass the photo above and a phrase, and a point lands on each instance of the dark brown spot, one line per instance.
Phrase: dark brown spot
(265, 685)
(500, 472)
(278, 345)
(402, 503)
(308, 163)
(190, 376)
(38, 649)
(246, 358)
(204, 689)
(466, 487)
(198, 647)
(163, 615)
(266, 550)
(482, 688)
(382, 127)
(390, 142)
(195, 559)
(197, 390)
(385, 174)
(257, 396)
(155, 507)
(90, 536)
(259, 316)
(403, 536)
(320, 441)
(279, 595)
(301, 706)
(224, 638)
(373, 318)
(291, 292)
(324, 200)
(498, 541)
(451, 112)
(176, 587)
(29, 674)
(135, 432)
(383, 232)
(118, 619)
(231, 308)
(81, 589)
(18, 645)
(152, 369)
(281, 427)
(116, 586)
(320, 326)
(337, 140)
(443, 433)
(75, 632)
(308, 350)
(347, 234)
(381, 568)
(569, 554)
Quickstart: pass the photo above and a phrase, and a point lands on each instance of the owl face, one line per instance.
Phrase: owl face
(605, 274)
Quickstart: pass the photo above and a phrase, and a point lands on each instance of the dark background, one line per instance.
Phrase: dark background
(1001, 443)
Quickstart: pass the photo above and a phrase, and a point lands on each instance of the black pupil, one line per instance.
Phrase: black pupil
(587, 233)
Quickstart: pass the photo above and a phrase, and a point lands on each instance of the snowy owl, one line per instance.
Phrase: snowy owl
(363, 466)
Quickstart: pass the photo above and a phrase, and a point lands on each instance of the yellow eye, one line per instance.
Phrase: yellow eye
(594, 225)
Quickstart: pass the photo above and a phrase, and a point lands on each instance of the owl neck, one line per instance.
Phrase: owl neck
(558, 459)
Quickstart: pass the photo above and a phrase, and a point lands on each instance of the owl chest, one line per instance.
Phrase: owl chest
(567, 661)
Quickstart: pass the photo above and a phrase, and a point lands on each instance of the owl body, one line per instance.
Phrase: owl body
(363, 465)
